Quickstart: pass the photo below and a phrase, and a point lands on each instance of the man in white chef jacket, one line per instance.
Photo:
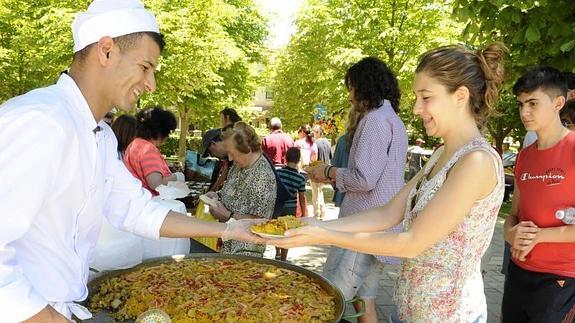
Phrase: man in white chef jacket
(60, 173)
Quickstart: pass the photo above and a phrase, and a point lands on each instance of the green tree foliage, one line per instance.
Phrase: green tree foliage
(333, 34)
(536, 33)
(210, 46)
(35, 43)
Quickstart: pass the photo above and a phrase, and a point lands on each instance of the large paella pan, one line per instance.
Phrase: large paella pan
(215, 287)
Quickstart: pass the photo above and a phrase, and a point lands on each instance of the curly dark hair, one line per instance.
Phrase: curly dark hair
(155, 123)
(373, 82)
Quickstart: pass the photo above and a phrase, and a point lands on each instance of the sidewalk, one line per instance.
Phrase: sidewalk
(313, 258)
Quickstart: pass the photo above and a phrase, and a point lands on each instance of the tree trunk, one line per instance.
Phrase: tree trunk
(182, 144)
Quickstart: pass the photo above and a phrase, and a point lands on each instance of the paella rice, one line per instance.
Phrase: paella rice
(222, 290)
(278, 226)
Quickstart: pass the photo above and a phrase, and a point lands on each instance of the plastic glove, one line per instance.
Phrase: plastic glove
(180, 177)
(240, 230)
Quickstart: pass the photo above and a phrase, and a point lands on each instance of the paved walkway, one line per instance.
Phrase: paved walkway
(313, 258)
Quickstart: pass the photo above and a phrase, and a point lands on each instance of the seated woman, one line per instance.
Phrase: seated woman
(250, 189)
(447, 223)
(143, 158)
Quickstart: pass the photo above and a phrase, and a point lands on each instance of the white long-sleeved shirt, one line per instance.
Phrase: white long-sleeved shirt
(59, 179)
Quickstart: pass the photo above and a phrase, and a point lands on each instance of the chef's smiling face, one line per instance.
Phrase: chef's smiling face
(133, 72)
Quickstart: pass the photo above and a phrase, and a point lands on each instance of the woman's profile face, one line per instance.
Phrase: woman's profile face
(433, 104)
(240, 159)
(159, 141)
(355, 103)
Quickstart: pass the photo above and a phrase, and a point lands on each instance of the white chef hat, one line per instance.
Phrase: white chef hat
(111, 18)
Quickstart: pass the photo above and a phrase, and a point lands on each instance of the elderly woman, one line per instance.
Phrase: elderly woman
(250, 189)
(143, 158)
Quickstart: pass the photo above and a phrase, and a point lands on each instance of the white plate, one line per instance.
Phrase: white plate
(268, 236)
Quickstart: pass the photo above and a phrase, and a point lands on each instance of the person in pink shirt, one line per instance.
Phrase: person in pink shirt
(306, 145)
(143, 157)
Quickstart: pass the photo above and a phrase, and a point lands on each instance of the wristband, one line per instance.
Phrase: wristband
(326, 172)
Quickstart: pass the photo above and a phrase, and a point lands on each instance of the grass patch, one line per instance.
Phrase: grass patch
(505, 209)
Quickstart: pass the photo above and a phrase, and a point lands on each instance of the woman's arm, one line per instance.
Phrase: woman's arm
(376, 219)
(439, 218)
(156, 179)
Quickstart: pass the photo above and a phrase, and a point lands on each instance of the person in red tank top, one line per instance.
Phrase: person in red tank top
(540, 285)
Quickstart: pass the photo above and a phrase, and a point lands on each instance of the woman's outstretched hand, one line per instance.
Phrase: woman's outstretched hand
(313, 233)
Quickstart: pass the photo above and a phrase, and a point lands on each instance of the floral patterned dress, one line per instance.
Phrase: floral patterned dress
(252, 191)
(444, 283)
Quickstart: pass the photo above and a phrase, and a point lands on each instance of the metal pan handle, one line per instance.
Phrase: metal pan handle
(358, 313)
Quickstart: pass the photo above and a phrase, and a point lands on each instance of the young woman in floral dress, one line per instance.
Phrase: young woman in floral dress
(449, 208)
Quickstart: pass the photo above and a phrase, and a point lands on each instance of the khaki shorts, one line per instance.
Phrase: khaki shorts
(355, 274)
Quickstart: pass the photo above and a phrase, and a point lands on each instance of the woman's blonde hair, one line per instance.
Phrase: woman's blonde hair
(353, 119)
(245, 138)
(481, 72)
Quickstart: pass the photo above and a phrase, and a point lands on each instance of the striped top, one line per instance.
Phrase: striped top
(294, 182)
(376, 163)
(143, 158)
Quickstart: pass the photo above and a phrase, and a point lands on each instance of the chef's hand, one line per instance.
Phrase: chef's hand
(220, 212)
(48, 315)
(313, 233)
(240, 230)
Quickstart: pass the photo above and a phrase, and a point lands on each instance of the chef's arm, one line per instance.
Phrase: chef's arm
(177, 225)
(29, 183)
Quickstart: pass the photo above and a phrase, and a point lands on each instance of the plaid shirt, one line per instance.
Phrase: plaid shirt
(376, 162)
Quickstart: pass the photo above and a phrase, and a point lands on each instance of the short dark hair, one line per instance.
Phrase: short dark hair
(373, 82)
(293, 155)
(125, 42)
(125, 128)
(569, 80)
(155, 123)
(568, 110)
(231, 114)
(546, 78)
